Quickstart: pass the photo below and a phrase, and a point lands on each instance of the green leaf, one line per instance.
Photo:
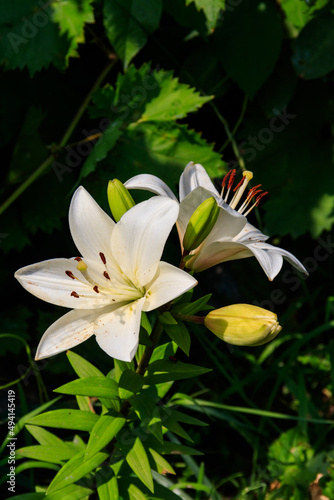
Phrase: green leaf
(130, 383)
(71, 17)
(66, 419)
(167, 319)
(137, 459)
(211, 9)
(28, 496)
(121, 366)
(258, 49)
(180, 335)
(170, 422)
(105, 429)
(128, 24)
(163, 467)
(99, 387)
(71, 492)
(107, 486)
(75, 469)
(148, 413)
(25, 27)
(82, 367)
(193, 307)
(166, 370)
(299, 13)
(187, 419)
(48, 453)
(168, 448)
(174, 101)
(161, 148)
(313, 51)
(45, 437)
(102, 148)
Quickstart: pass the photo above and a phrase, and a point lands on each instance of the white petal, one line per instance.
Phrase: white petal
(118, 331)
(70, 330)
(169, 283)
(250, 234)
(48, 281)
(193, 176)
(274, 255)
(140, 236)
(90, 226)
(150, 183)
(188, 207)
(218, 252)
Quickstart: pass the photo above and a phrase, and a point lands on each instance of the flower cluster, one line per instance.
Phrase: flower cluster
(119, 273)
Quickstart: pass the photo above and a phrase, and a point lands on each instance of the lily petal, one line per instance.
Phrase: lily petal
(270, 256)
(51, 281)
(169, 283)
(90, 226)
(218, 252)
(193, 176)
(150, 183)
(117, 332)
(68, 331)
(139, 238)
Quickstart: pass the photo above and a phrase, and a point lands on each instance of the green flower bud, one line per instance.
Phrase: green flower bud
(200, 224)
(119, 198)
(243, 324)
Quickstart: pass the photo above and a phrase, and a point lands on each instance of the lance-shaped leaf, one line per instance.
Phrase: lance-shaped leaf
(66, 419)
(137, 459)
(45, 437)
(75, 469)
(162, 466)
(180, 335)
(130, 383)
(107, 485)
(82, 367)
(149, 414)
(167, 370)
(105, 429)
(91, 386)
(53, 454)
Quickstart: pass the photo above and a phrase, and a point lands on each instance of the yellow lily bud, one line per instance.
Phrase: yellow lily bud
(119, 198)
(200, 224)
(243, 324)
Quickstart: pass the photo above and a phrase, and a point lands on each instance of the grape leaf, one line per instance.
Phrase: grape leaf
(211, 9)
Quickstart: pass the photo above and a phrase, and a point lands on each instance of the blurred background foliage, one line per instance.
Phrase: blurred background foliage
(92, 90)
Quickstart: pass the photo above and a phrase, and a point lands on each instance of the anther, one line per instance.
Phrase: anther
(102, 257)
(74, 294)
(257, 201)
(96, 289)
(106, 275)
(77, 259)
(70, 274)
(231, 179)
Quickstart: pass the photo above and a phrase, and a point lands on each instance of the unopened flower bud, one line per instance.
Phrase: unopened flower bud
(200, 224)
(119, 198)
(243, 324)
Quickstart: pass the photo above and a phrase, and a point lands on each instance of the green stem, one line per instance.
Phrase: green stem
(47, 162)
(237, 125)
(190, 318)
(155, 335)
(230, 136)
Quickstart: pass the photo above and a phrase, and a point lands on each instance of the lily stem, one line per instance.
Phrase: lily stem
(47, 162)
(190, 318)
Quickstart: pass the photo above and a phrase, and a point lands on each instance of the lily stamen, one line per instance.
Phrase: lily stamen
(230, 183)
(257, 201)
(240, 188)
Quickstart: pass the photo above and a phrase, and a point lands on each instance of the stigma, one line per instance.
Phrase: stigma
(233, 195)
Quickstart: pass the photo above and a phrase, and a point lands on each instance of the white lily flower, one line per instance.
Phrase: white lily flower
(232, 236)
(118, 275)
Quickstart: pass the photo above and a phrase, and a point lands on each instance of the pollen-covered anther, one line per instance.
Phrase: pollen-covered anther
(106, 275)
(77, 259)
(257, 201)
(96, 289)
(75, 294)
(103, 258)
(70, 274)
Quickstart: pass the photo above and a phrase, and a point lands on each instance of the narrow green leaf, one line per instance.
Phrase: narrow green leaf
(105, 429)
(83, 403)
(45, 437)
(75, 469)
(137, 459)
(179, 334)
(171, 448)
(121, 366)
(149, 414)
(71, 492)
(107, 486)
(163, 467)
(66, 419)
(82, 367)
(169, 421)
(47, 453)
(34, 464)
(187, 419)
(167, 370)
(130, 383)
(193, 307)
(135, 493)
(99, 387)
(167, 319)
